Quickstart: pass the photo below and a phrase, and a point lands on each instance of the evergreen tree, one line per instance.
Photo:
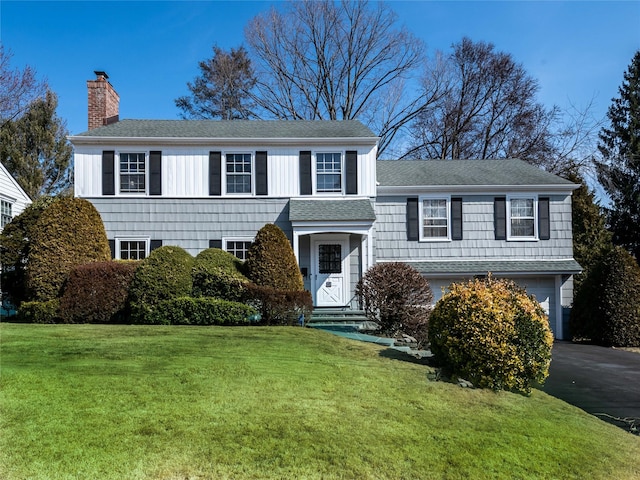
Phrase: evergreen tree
(35, 150)
(590, 235)
(223, 88)
(619, 169)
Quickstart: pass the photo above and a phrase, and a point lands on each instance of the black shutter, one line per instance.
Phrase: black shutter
(215, 243)
(544, 223)
(412, 219)
(153, 244)
(305, 173)
(112, 247)
(456, 219)
(261, 174)
(108, 173)
(500, 218)
(215, 173)
(155, 173)
(352, 172)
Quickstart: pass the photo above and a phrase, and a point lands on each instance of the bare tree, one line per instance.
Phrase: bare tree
(18, 88)
(489, 110)
(335, 61)
(223, 89)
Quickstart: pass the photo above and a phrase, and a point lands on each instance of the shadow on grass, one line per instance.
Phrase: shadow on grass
(405, 357)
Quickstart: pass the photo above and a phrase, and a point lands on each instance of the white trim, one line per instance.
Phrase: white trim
(343, 240)
(17, 186)
(118, 240)
(314, 173)
(512, 238)
(225, 241)
(421, 199)
(558, 289)
(118, 173)
(218, 141)
(223, 167)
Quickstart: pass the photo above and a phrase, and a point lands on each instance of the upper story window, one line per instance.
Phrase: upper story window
(5, 213)
(435, 218)
(522, 219)
(238, 172)
(328, 172)
(132, 173)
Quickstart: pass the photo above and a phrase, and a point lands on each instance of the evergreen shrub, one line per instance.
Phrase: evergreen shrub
(163, 275)
(398, 298)
(69, 232)
(217, 273)
(97, 292)
(493, 334)
(271, 261)
(199, 311)
(279, 307)
(606, 308)
(39, 312)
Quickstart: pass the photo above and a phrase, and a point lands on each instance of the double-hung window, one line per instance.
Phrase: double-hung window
(5, 213)
(132, 249)
(238, 247)
(238, 172)
(328, 172)
(522, 218)
(435, 218)
(132, 173)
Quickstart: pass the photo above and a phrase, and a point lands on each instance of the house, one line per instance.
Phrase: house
(13, 199)
(200, 184)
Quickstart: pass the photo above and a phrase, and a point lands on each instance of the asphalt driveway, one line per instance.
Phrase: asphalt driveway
(602, 381)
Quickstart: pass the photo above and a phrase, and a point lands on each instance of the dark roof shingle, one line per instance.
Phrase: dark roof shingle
(331, 210)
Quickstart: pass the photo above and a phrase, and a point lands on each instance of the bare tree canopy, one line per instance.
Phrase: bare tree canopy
(223, 89)
(18, 88)
(335, 61)
(489, 109)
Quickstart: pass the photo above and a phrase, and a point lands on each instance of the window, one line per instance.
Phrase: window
(239, 248)
(238, 173)
(5, 213)
(132, 173)
(522, 218)
(435, 219)
(329, 172)
(330, 258)
(132, 249)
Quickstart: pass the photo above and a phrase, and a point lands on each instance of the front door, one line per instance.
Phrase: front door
(330, 271)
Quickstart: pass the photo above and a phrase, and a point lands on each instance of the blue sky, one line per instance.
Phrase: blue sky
(577, 50)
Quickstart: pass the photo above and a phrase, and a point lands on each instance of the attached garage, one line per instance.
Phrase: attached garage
(547, 280)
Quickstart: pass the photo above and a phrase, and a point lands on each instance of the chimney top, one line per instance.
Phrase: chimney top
(100, 73)
(103, 101)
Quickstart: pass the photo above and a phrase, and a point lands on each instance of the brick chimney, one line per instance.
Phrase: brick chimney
(104, 102)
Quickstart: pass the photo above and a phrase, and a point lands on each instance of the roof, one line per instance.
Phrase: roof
(411, 173)
(482, 267)
(301, 210)
(232, 129)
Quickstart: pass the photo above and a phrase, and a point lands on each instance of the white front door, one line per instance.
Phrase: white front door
(330, 270)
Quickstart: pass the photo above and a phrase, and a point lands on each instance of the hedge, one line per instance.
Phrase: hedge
(217, 273)
(199, 311)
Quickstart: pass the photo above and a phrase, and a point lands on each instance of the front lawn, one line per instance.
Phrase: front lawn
(135, 402)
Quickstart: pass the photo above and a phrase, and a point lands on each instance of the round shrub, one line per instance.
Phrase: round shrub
(216, 273)
(398, 298)
(271, 261)
(200, 311)
(69, 232)
(493, 334)
(163, 275)
(97, 292)
(39, 312)
(606, 309)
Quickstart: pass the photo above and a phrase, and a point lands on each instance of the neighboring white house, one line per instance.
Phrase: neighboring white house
(13, 199)
(200, 184)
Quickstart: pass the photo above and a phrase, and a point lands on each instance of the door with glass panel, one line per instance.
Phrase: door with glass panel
(330, 271)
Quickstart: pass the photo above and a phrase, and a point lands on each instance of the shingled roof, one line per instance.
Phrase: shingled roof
(412, 173)
(233, 129)
(331, 210)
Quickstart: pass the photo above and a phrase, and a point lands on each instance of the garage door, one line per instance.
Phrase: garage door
(544, 291)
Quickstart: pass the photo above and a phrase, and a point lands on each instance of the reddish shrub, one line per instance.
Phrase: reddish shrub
(97, 293)
(279, 307)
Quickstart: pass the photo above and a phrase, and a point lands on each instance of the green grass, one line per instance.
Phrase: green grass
(128, 402)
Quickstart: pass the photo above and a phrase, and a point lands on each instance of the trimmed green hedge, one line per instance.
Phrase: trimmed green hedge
(217, 273)
(39, 312)
(199, 311)
(163, 275)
